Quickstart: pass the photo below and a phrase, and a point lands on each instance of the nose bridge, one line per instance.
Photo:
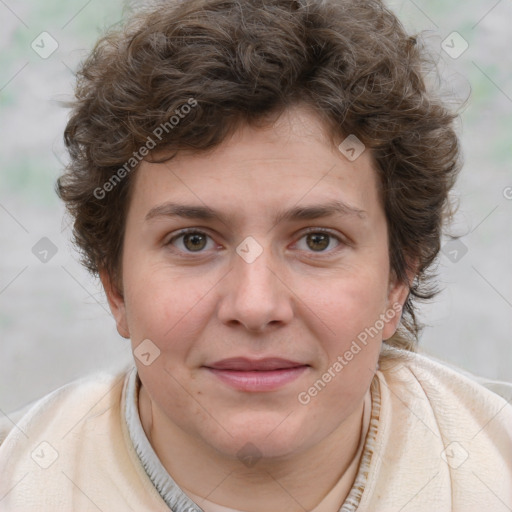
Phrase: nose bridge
(254, 277)
(254, 295)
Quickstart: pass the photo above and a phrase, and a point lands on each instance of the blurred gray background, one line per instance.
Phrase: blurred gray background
(55, 324)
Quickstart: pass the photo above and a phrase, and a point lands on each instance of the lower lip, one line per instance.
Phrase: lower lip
(257, 381)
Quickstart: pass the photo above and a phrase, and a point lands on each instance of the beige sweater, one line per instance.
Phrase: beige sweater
(443, 443)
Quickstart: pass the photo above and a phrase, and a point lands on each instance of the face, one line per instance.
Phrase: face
(252, 273)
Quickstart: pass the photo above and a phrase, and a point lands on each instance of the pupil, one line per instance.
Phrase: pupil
(320, 240)
(194, 241)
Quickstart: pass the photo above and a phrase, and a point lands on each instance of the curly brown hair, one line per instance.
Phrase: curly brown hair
(245, 62)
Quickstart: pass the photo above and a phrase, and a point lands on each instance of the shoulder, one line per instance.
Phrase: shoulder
(457, 402)
(66, 404)
(432, 373)
(74, 439)
(441, 432)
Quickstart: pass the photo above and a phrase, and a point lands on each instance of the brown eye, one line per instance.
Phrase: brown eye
(191, 241)
(318, 241)
(195, 241)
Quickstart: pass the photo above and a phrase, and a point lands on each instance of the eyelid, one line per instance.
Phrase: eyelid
(334, 233)
(186, 231)
(313, 229)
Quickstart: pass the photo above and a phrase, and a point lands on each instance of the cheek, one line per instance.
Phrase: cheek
(348, 323)
(164, 310)
(349, 304)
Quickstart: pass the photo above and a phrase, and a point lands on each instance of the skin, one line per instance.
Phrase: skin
(298, 300)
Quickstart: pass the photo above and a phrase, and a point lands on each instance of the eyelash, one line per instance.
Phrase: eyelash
(340, 240)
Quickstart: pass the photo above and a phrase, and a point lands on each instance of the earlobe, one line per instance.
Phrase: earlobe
(116, 303)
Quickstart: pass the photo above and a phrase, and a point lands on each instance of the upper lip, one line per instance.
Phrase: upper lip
(245, 364)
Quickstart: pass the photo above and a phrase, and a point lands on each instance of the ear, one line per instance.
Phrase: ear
(398, 292)
(116, 303)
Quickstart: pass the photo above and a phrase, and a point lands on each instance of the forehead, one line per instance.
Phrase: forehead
(288, 163)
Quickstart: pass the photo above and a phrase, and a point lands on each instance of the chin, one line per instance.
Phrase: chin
(260, 435)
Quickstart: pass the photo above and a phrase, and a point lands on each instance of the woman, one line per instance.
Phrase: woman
(261, 188)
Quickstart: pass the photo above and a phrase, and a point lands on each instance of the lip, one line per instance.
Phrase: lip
(257, 375)
(248, 365)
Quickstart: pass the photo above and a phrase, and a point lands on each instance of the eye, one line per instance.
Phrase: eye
(196, 241)
(318, 241)
(190, 241)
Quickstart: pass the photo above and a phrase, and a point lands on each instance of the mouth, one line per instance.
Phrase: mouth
(256, 375)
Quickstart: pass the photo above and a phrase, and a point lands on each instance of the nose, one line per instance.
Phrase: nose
(255, 295)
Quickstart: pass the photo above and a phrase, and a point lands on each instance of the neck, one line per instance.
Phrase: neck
(295, 483)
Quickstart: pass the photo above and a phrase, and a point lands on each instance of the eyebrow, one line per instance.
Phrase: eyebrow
(204, 213)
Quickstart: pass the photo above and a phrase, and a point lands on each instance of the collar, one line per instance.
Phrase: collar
(175, 497)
